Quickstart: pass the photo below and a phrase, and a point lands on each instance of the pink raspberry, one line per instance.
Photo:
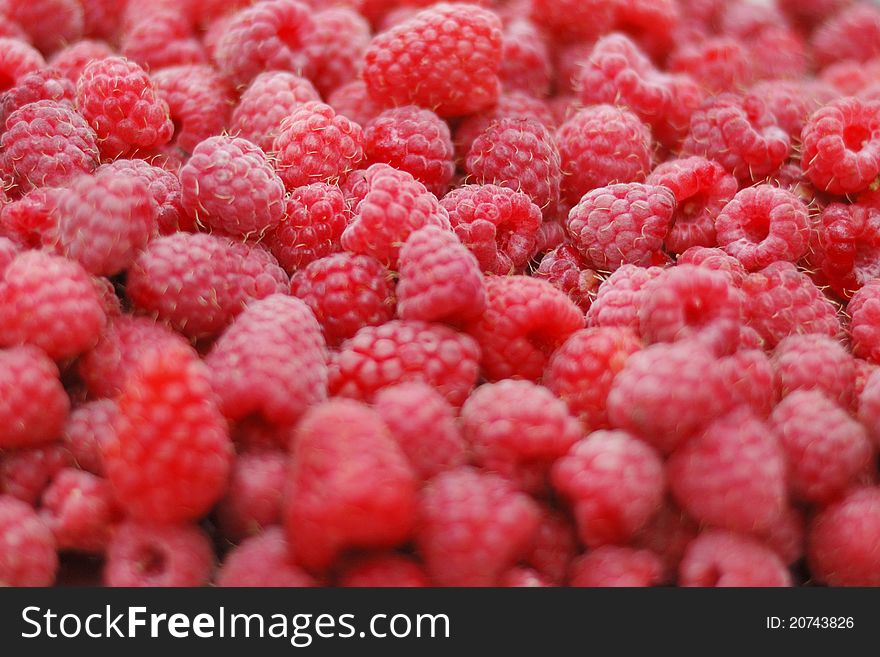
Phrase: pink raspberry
(73, 58)
(667, 535)
(718, 64)
(869, 406)
(8, 251)
(651, 22)
(162, 38)
(406, 351)
(49, 23)
(385, 570)
(749, 376)
(565, 269)
(163, 187)
(350, 484)
(177, 275)
(510, 105)
(715, 259)
(621, 296)
(33, 403)
(439, 280)
(612, 565)
(42, 84)
(842, 541)
(825, 449)
(88, 427)
(17, 59)
(601, 145)
(229, 185)
(314, 144)
(815, 362)
(793, 101)
(336, 47)
(498, 225)
(123, 105)
(853, 33)
(101, 18)
(554, 546)
(346, 293)
(353, 101)
(25, 473)
(414, 140)
(719, 558)
(27, 548)
(525, 60)
(574, 20)
(787, 536)
(526, 319)
(254, 495)
(266, 102)
(473, 526)
(845, 246)
(170, 455)
(142, 554)
(445, 58)
(263, 560)
(51, 303)
(701, 189)
(80, 510)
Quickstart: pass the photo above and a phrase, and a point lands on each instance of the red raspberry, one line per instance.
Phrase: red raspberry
(336, 47)
(27, 549)
(565, 269)
(104, 221)
(30, 220)
(849, 77)
(510, 105)
(141, 554)
(667, 535)
(263, 560)
(353, 101)
(826, 450)
(518, 429)
(42, 84)
(350, 485)
(33, 403)
(163, 186)
(842, 543)
(750, 379)
(8, 251)
(732, 476)
(72, 59)
(267, 101)
(445, 58)
(25, 473)
(473, 527)
(845, 246)
(170, 456)
(124, 107)
(385, 570)
(853, 33)
(582, 370)
(601, 145)
(869, 406)
(199, 283)
(701, 189)
(739, 133)
(793, 101)
(815, 362)
(520, 154)
(718, 64)
(51, 303)
(46, 144)
(782, 301)
(314, 144)
(161, 38)
(80, 510)
(611, 565)
(525, 59)
(864, 310)
(841, 146)
(88, 427)
(810, 13)
(270, 361)
(787, 536)
(271, 35)
(346, 293)
(651, 22)
(229, 185)
(439, 279)
(254, 496)
(49, 23)
(716, 260)
(621, 224)
(403, 351)
(414, 140)
(498, 225)
(526, 319)
(553, 547)
(720, 558)
(101, 18)
(17, 59)
(393, 205)
(574, 20)
(621, 296)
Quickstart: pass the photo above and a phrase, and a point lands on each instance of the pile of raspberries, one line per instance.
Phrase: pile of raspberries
(401, 293)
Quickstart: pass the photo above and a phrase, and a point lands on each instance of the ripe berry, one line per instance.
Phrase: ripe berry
(263, 560)
(612, 565)
(27, 548)
(841, 546)
(722, 558)
(254, 496)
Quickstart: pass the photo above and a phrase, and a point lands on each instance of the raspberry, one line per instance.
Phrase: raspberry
(667, 535)
(520, 154)
(41, 84)
(853, 33)
(445, 58)
(271, 35)
(574, 20)
(565, 269)
(717, 63)
(80, 510)
(510, 105)
(739, 133)
(198, 283)
(124, 107)
(30, 220)
(601, 145)
(473, 527)
(26, 473)
(393, 206)
(49, 23)
(716, 260)
(414, 140)
(160, 39)
(17, 59)
(525, 59)
(750, 379)
(497, 224)
(267, 101)
(229, 185)
(793, 101)
(51, 303)
(170, 456)
(863, 311)
(101, 18)
(620, 297)
(336, 47)
(46, 144)
(439, 279)
(263, 560)
(845, 246)
(702, 188)
(254, 496)
(611, 565)
(621, 224)
(270, 361)
(650, 22)
(525, 320)
(841, 146)
(826, 450)
(256, 435)
(346, 293)
(849, 77)
(353, 101)
(842, 542)
(869, 406)
(385, 570)
(350, 485)
(88, 427)
(72, 59)
(314, 144)
(33, 403)
(554, 546)
(141, 554)
(8, 251)
(104, 221)
(720, 558)
(405, 351)
(815, 362)
(27, 549)
(163, 187)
